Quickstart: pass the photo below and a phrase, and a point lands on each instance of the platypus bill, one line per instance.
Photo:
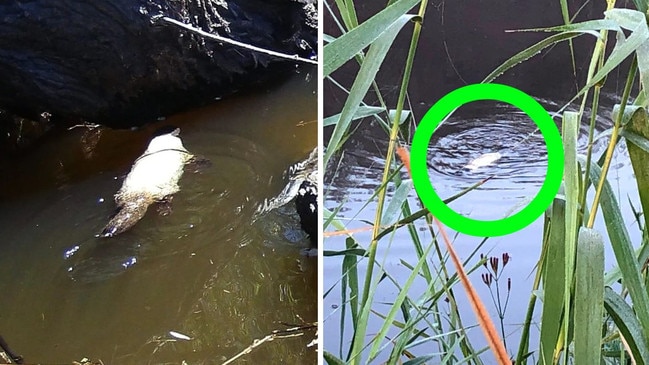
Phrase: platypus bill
(153, 178)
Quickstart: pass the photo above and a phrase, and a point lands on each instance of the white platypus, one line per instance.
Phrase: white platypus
(153, 178)
(482, 161)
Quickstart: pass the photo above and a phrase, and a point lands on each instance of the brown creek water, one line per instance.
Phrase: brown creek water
(207, 270)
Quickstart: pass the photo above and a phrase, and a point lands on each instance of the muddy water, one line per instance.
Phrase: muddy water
(207, 270)
(518, 175)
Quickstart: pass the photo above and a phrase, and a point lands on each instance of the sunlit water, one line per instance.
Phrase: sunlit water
(517, 177)
(207, 270)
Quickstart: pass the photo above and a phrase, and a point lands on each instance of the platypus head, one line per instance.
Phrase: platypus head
(166, 141)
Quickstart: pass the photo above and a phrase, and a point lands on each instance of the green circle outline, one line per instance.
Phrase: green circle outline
(419, 156)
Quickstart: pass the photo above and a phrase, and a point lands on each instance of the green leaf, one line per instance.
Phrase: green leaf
(364, 112)
(554, 282)
(336, 53)
(623, 249)
(636, 22)
(636, 131)
(641, 5)
(421, 360)
(628, 324)
(636, 140)
(629, 19)
(529, 53)
(348, 13)
(331, 359)
(350, 280)
(571, 179)
(351, 251)
(374, 350)
(590, 26)
(364, 79)
(589, 297)
(394, 206)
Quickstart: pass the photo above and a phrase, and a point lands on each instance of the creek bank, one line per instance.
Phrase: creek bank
(116, 64)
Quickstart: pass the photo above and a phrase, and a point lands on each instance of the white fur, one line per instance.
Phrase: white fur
(484, 160)
(157, 171)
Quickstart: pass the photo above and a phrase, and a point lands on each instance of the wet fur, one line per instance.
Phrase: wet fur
(154, 177)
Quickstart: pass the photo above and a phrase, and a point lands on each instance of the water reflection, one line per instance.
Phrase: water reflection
(203, 271)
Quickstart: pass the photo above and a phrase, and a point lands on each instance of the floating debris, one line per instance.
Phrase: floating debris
(179, 336)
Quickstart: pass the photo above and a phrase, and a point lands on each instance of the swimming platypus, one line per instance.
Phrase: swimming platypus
(153, 178)
(484, 160)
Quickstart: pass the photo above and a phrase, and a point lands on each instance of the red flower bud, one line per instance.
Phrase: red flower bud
(494, 264)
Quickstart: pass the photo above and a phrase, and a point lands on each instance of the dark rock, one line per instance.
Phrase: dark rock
(111, 62)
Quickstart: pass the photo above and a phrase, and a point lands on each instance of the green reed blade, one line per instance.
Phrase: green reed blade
(364, 79)
(589, 297)
(393, 209)
(570, 129)
(590, 26)
(374, 350)
(637, 132)
(628, 19)
(529, 53)
(554, 282)
(348, 13)
(623, 250)
(364, 112)
(331, 359)
(336, 53)
(627, 322)
(641, 5)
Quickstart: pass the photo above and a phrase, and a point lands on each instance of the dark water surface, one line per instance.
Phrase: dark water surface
(518, 175)
(206, 270)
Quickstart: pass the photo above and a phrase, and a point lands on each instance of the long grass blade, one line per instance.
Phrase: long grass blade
(623, 250)
(589, 297)
(638, 134)
(336, 53)
(331, 359)
(364, 79)
(554, 281)
(394, 206)
(627, 322)
(529, 53)
(570, 129)
(394, 309)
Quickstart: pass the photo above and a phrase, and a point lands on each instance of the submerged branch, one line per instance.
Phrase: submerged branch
(233, 42)
(276, 334)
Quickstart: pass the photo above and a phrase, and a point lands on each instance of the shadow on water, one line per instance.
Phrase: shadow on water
(206, 270)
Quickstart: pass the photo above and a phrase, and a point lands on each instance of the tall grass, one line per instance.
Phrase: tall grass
(588, 315)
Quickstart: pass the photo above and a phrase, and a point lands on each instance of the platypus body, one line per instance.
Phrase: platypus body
(486, 159)
(153, 178)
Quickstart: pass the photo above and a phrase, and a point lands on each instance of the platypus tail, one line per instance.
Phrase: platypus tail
(125, 218)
